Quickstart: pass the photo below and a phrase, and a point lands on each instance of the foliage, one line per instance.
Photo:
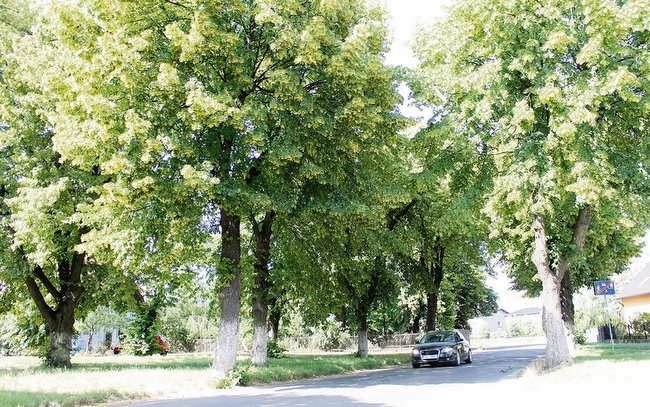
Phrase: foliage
(187, 320)
(641, 324)
(557, 94)
(524, 327)
(275, 351)
(330, 335)
(22, 333)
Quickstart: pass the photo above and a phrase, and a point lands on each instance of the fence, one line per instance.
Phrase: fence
(633, 332)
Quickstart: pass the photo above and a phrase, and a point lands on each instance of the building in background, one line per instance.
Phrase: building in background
(635, 296)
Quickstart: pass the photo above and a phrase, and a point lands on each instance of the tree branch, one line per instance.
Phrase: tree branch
(577, 240)
(39, 300)
(38, 272)
(395, 217)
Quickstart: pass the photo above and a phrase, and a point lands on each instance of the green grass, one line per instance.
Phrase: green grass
(621, 352)
(96, 379)
(34, 399)
(303, 367)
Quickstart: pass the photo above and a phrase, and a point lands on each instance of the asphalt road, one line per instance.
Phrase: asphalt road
(491, 369)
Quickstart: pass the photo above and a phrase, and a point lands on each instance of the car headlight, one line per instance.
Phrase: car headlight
(447, 351)
(416, 352)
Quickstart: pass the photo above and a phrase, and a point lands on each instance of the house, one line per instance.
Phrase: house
(525, 322)
(491, 325)
(531, 313)
(635, 296)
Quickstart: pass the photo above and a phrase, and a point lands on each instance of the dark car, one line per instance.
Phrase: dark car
(438, 347)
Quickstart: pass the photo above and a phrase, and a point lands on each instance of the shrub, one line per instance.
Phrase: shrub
(274, 350)
(641, 324)
(330, 335)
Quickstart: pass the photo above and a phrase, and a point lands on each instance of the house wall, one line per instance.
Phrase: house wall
(494, 324)
(633, 306)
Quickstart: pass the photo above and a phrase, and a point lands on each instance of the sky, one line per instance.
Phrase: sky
(406, 15)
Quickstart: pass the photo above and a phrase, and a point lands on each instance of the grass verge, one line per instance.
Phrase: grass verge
(95, 379)
(620, 352)
(304, 367)
(12, 398)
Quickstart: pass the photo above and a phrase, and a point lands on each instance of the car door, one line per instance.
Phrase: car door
(463, 346)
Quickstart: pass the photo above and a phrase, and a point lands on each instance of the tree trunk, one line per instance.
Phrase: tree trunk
(61, 330)
(262, 233)
(229, 295)
(557, 347)
(260, 333)
(436, 272)
(566, 301)
(559, 340)
(274, 319)
(432, 310)
(362, 346)
(60, 318)
(415, 327)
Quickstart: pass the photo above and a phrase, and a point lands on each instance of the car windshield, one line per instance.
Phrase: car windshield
(438, 337)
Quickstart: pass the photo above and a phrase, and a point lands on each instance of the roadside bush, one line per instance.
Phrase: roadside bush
(524, 328)
(274, 350)
(186, 322)
(641, 324)
(20, 336)
(330, 335)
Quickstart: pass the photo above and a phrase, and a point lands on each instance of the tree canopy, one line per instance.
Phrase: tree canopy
(558, 94)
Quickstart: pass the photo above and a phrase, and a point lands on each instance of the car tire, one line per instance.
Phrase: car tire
(457, 361)
(415, 365)
(469, 356)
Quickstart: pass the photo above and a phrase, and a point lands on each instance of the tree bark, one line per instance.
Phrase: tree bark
(432, 310)
(415, 327)
(276, 304)
(558, 337)
(262, 233)
(229, 295)
(436, 272)
(60, 318)
(274, 321)
(362, 337)
(557, 348)
(566, 301)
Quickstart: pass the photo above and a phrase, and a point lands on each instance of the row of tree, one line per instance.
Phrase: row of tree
(142, 142)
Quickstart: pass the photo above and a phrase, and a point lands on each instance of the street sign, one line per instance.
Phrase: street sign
(604, 287)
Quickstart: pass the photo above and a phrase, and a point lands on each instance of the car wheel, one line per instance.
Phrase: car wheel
(457, 361)
(469, 356)
(415, 365)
